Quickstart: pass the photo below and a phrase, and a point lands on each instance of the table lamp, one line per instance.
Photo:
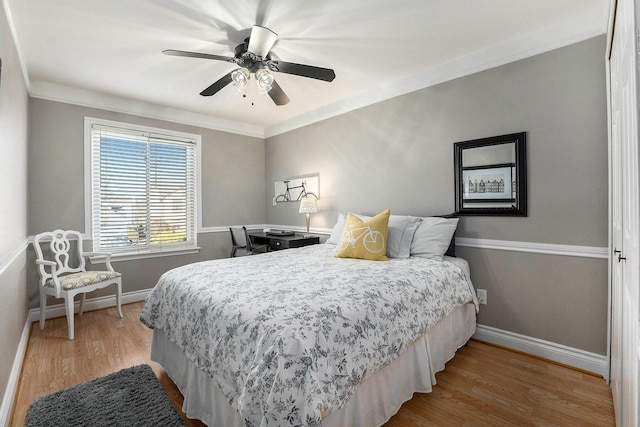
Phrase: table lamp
(308, 206)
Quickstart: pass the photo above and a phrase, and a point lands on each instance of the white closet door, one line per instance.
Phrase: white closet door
(625, 211)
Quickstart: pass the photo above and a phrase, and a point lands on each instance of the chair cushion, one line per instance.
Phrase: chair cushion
(86, 278)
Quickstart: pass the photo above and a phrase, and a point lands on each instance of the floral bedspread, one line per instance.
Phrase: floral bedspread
(289, 335)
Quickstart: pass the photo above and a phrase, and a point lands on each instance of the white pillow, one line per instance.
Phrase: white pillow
(433, 236)
(399, 236)
(336, 233)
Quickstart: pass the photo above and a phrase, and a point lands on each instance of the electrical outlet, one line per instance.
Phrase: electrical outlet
(482, 295)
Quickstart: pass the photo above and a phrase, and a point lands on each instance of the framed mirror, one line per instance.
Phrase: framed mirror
(491, 175)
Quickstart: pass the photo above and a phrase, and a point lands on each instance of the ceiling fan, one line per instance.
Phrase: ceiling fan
(253, 58)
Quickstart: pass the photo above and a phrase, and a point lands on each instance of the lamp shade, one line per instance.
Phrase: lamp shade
(308, 205)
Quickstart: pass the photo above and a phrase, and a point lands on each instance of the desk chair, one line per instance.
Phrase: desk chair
(240, 240)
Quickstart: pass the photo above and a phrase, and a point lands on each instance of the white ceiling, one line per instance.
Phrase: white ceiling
(107, 53)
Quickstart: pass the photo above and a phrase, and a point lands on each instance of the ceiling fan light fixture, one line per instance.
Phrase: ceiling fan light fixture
(264, 80)
(240, 78)
(254, 60)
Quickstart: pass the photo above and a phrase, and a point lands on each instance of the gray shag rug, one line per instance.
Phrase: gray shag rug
(130, 397)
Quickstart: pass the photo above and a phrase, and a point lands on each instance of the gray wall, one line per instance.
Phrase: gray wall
(232, 170)
(13, 202)
(398, 154)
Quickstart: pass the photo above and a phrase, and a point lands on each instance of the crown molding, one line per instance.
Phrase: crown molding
(574, 30)
(562, 34)
(55, 92)
(14, 36)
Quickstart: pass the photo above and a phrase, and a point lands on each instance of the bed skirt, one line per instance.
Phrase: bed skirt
(374, 402)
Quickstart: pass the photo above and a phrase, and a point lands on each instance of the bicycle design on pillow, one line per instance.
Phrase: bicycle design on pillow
(372, 240)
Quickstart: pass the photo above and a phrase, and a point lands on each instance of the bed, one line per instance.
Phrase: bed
(301, 337)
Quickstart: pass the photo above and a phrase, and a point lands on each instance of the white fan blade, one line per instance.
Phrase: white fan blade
(261, 40)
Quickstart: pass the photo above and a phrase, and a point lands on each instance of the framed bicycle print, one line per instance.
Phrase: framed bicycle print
(294, 189)
(491, 175)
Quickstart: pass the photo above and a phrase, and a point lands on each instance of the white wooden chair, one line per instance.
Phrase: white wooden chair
(63, 273)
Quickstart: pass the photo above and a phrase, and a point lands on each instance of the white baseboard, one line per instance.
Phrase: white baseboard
(574, 357)
(14, 376)
(52, 311)
(89, 305)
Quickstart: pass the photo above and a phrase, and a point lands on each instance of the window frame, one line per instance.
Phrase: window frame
(138, 253)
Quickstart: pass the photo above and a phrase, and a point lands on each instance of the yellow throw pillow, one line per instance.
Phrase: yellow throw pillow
(365, 239)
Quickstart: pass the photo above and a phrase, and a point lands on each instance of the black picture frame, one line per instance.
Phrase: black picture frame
(491, 175)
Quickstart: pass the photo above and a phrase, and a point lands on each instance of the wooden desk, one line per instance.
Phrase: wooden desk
(282, 242)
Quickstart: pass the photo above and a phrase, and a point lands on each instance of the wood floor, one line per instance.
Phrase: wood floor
(482, 386)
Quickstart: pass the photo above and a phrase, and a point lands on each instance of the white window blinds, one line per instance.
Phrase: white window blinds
(143, 189)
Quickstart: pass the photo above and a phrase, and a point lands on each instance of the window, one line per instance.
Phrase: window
(142, 188)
